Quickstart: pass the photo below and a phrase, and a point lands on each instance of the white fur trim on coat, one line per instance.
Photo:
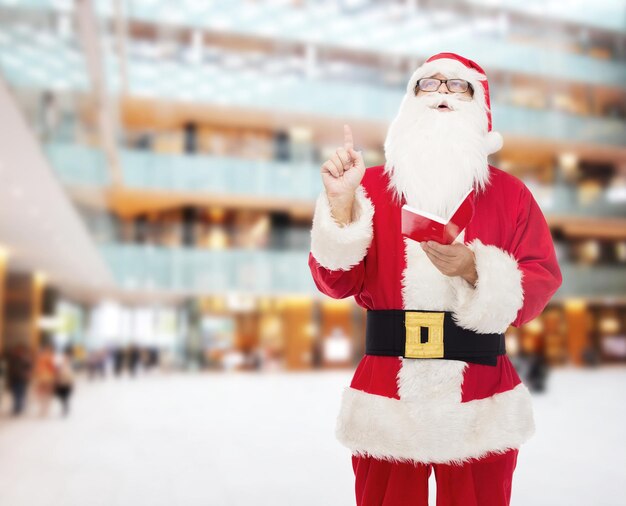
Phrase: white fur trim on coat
(338, 247)
(493, 305)
(424, 287)
(429, 423)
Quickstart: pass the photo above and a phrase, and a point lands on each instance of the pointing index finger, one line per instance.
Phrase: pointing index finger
(349, 143)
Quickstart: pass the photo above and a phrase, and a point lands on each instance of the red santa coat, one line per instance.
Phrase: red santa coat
(434, 410)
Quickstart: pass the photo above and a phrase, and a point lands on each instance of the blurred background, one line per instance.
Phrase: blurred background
(162, 339)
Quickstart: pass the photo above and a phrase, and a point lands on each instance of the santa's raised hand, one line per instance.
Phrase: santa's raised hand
(344, 171)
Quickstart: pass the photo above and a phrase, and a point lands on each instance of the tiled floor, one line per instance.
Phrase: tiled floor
(250, 439)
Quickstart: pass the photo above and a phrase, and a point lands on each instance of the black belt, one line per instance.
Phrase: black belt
(428, 334)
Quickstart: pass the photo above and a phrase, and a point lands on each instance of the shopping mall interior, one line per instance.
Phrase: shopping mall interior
(159, 167)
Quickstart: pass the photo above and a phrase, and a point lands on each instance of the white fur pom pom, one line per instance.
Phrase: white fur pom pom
(494, 142)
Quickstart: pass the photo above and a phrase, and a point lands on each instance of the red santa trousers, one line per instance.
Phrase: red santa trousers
(478, 482)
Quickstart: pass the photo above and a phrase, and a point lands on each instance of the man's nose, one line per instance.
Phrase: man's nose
(445, 87)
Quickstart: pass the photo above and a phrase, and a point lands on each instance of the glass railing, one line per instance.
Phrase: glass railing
(593, 281)
(394, 31)
(25, 61)
(189, 270)
(606, 14)
(32, 56)
(558, 126)
(217, 174)
(25, 51)
(81, 166)
(370, 103)
(570, 200)
(78, 165)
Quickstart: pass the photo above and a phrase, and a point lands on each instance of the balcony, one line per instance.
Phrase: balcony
(264, 82)
(144, 170)
(597, 282)
(81, 166)
(383, 30)
(197, 271)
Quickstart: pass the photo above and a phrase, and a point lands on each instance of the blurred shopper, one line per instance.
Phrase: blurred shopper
(591, 356)
(44, 377)
(19, 370)
(435, 391)
(64, 379)
(150, 358)
(96, 363)
(134, 358)
(49, 116)
(154, 360)
(119, 358)
(534, 364)
(538, 370)
(102, 362)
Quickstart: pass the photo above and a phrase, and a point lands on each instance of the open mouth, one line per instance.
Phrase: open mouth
(444, 107)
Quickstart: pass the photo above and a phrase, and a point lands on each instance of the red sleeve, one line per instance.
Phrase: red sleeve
(338, 252)
(337, 284)
(514, 283)
(533, 248)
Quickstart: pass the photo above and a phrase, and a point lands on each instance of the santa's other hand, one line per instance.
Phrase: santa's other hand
(454, 259)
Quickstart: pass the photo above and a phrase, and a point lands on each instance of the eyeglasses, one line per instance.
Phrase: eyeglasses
(453, 85)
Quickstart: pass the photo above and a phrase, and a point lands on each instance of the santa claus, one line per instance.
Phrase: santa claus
(435, 390)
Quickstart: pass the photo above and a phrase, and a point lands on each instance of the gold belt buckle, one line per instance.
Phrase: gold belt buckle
(414, 321)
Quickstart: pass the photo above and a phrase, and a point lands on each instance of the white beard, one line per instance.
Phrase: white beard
(434, 157)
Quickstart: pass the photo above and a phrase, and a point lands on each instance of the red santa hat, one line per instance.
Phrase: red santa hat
(453, 66)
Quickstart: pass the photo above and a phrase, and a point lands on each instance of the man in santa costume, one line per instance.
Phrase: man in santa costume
(435, 391)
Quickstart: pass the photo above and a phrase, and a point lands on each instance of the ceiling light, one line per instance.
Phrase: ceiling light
(40, 278)
(616, 194)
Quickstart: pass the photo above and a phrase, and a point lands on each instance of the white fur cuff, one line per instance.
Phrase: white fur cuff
(493, 305)
(338, 247)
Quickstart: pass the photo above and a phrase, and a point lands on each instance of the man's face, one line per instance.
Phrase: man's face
(434, 157)
(443, 89)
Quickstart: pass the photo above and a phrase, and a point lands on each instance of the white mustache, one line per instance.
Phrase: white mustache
(434, 100)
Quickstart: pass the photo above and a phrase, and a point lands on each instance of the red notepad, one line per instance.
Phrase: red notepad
(424, 226)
